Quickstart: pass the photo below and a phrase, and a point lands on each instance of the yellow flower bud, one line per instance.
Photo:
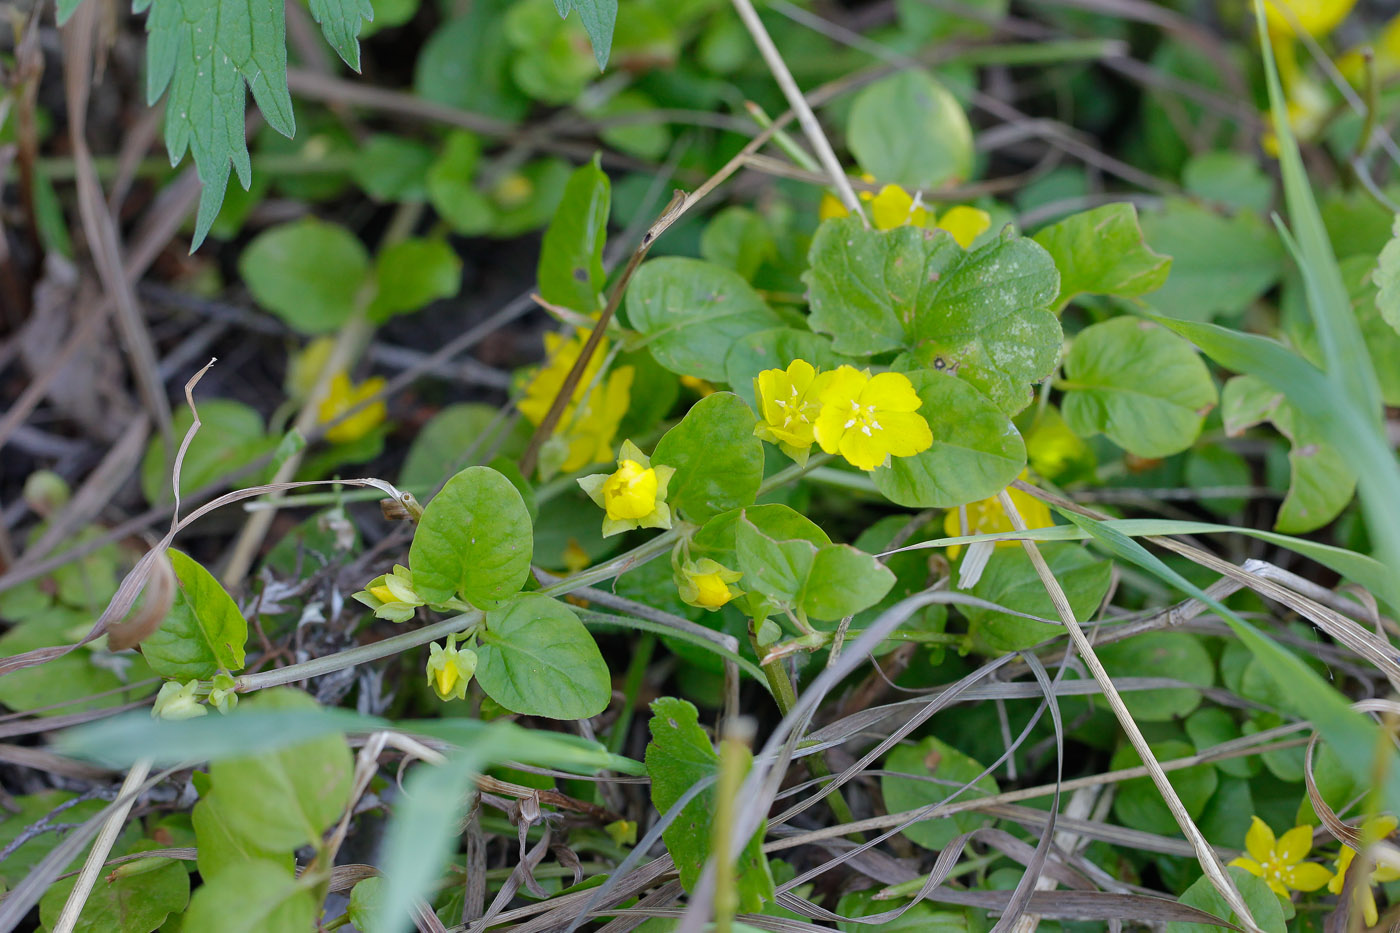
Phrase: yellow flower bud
(707, 584)
(450, 669)
(630, 492)
(634, 496)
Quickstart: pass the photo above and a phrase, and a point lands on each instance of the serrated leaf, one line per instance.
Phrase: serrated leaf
(599, 17)
(1102, 252)
(678, 756)
(1106, 391)
(204, 631)
(536, 658)
(341, 21)
(474, 539)
(207, 54)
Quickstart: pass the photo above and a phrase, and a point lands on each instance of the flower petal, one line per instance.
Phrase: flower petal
(1294, 845)
(905, 433)
(891, 392)
(1307, 876)
(830, 425)
(842, 386)
(1259, 841)
(864, 453)
(1249, 865)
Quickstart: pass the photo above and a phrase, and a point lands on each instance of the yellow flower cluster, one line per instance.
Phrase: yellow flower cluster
(707, 584)
(634, 495)
(894, 207)
(597, 407)
(866, 419)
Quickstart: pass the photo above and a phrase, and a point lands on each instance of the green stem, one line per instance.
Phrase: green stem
(631, 687)
(733, 762)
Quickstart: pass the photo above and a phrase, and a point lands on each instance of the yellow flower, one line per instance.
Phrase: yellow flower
(1364, 897)
(869, 418)
(1280, 862)
(986, 516)
(894, 207)
(699, 386)
(788, 406)
(1315, 17)
(450, 669)
(391, 595)
(634, 496)
(1386, 60)
(965, 223)
(1053, 449)
(343, 396)
(707, 584)
(589, 422)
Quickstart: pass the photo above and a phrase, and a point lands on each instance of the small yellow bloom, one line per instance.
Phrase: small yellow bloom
(575, 557)
(634, 496)
(450, 669)
(788, 405)
(1053, 449)
(306, 365)
(391, 595)
(894, 207)
(1280, 862)
(700, 387)
(1364, 897)
(867, 419)
(986, 517)
(1315, 17)
(707, 584)
(965, 223)
(343, 396)
(589, 422)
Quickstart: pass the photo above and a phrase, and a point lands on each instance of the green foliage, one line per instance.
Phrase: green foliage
(309, 273)
(1139, 804)
(474, 540)
(283, 799)
(231, 436)
(976, 450)
(718, 461)
(1219, 264)
(252, 897)
(1106, 391)
(204, 632)
(536, 658)
(909, 130)
(1177, 655)
(1102, 252)
(679, 756)
(1010, 581)
(935, 771)
(1263, 904)
(131, 903)
(1387, 279)
(411, 274)
(570, 269)
(598, 17)
(690, 312)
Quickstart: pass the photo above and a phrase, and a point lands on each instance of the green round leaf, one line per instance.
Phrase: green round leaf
(907, 129)
(718, 460)
(56, 682)
(976, 450)
(452, 189)
(440, 445)
(1219, 264)
(1108, 392)
(937, 769)
(536, 658)
(204, 631)
(135, 903)
(1101, 252)
(738, 238)
(843, 581)
(231, 435)
(412, 273)
(1139, 804)
(1009, 580)
(252, 897)
(474, 539)
(691, 312)
(392, 168)
(307, 272)
(286, 798)
(1178, 655)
